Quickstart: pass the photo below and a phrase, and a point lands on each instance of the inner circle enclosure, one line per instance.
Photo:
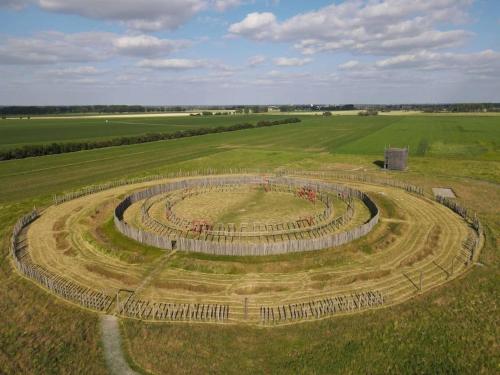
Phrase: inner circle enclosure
(306, 234)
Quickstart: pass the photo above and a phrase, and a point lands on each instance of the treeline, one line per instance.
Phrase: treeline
(26, 111)
(316, 107)
(463, 107)
(62, 110)
(290, 120)
(435, 108)
(61, 148)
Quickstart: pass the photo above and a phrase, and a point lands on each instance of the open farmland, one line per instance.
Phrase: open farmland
(19, 132)
(349, 142)
(455, 315)
(249, 187)
(437, 135)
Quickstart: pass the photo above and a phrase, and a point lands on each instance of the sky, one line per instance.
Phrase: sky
(188, 52)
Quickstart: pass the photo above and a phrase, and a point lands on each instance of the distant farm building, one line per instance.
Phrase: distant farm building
(396, 158)
(273, 108)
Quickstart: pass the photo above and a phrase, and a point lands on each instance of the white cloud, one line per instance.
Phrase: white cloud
(256, 60)
(351, 64)
(147, 45)
(74, 71)
(478, 64)
(74, 75)
(291, 61)
(255, 26)
(173, 64)
(223, 5)
(55, 47)
(147, 15)
(486, 62)
(378, 27)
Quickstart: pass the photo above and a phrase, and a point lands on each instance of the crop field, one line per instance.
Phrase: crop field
(19, 132)
(452, 327)
(316, 142)
(443, 136)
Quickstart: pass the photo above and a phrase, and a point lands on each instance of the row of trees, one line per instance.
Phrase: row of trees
(290, 120)
(62, 110)
(462, 107)
(60, 148)
(24, 111)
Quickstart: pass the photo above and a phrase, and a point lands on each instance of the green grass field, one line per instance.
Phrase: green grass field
(455, 136)
(453, 329)
(15, 132)
(316, 142)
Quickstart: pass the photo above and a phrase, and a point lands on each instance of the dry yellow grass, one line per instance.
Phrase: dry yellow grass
(405, 243)
(246, 205)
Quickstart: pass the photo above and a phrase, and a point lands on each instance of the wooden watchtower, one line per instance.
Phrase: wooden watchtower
(396, 158)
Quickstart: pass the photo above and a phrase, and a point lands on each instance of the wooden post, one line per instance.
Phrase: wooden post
(452, 264)
(245, 309)
(421, 277)
(117, 309)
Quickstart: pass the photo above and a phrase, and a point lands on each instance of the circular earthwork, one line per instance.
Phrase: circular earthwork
(243, 248)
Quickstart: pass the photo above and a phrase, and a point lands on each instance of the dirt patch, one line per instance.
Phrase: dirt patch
(201, 288)
(321, 277)
(431, 243)
(62, 242)
(373, 275)
(256, 289)
(70, 252)
(395, 231)
(319, 285)
(102, 271)
(385, 235)
(60, 223)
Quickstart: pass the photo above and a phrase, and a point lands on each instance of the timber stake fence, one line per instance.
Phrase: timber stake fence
(58, 199)
(471, 245)
(69, 290)
(241, 248)
(101, 301)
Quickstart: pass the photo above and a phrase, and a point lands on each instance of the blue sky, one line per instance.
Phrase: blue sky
(248, 51)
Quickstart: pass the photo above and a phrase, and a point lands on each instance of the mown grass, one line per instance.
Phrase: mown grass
(453, 329)
(15, 132)
(248, 206)
(115, 244)
(40, 334)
